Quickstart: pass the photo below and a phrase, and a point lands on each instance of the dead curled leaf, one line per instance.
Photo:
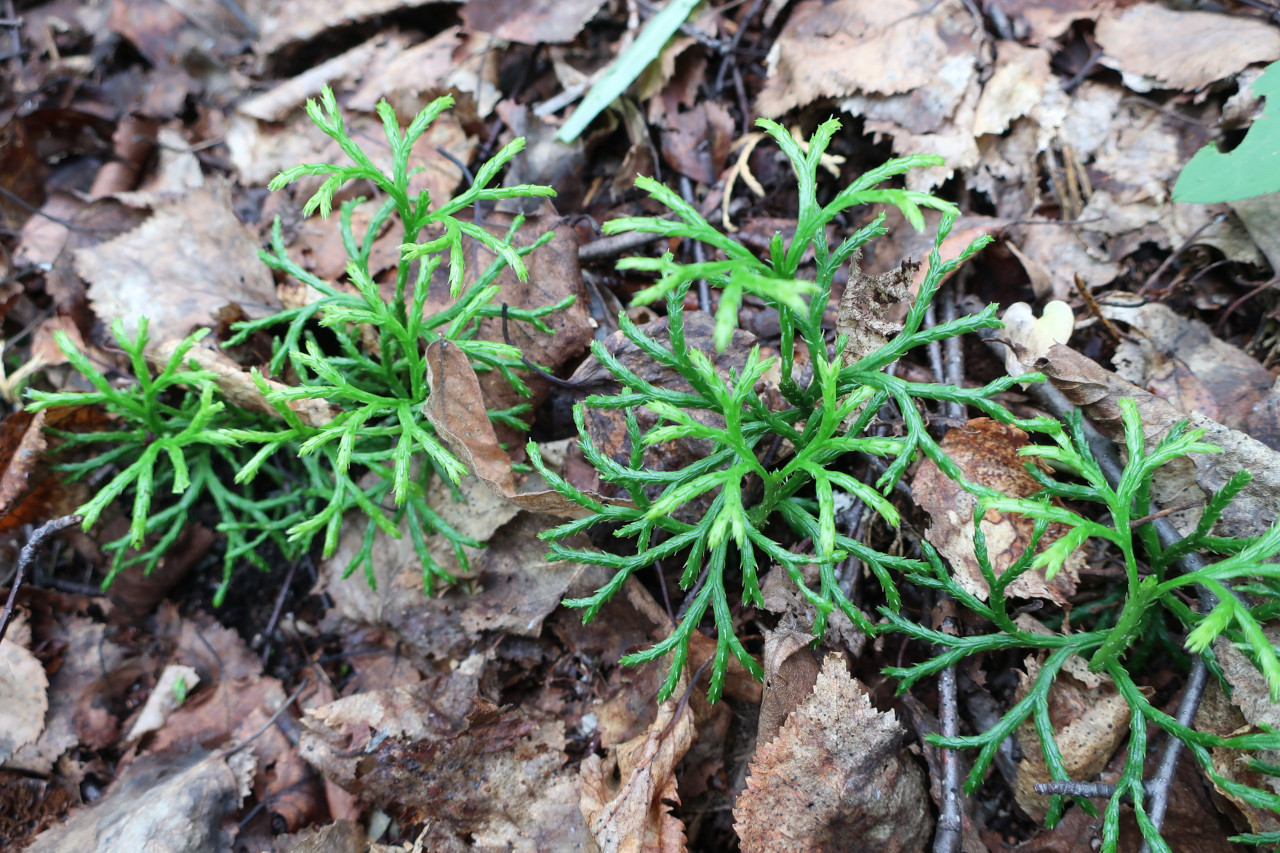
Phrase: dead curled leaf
(634, 815)
(866, 304)
(456, 408)
(237, 385)
(833, 775)
(987, 453)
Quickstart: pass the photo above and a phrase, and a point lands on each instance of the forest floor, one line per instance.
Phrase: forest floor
(311, 711)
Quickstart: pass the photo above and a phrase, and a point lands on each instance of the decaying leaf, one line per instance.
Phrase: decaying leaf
(22, 448)
(1183, 361)
(498, 775)
(885, 56)
(162, 803)
(1155, 46)
(634, 815)
(865, 307)
(541, 22)
(790, 671)
(456, 408)
(987, 453)
(237, 385)
(90, 652)
(24, 691)
(192, 258)
(1090, 719)
(834, 778)
(1097, 390)
(513, 586)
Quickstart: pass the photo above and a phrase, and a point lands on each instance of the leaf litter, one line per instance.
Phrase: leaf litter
(483, 716)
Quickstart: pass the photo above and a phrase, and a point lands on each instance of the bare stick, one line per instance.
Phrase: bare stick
(28, 556)
(1070, 788)
(1158, 787)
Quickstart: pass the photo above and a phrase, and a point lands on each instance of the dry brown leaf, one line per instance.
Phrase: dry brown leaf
(834, 776)
(192, 258)
(182, 805)
(1015, 88)
(538, 22)
(1248, 709)
(987, 453)
(866, 307)
(90, 652)
(634, 815)
(1096, 391)
(498, 775)
(24, 690)
(829, 50)
(1183, 361)
(790, 671)
(363, 60)
(287, 23)
(22, 449)
(512, 587)
(1089, 722)
(1182, 49)
(237, 385)
(696, 142)
(456, 408)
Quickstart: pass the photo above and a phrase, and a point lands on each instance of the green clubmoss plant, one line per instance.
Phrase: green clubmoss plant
(288, 480)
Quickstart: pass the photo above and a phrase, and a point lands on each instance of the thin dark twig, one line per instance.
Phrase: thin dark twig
(15, 37)
(947, 838)
(27, 556)
(275, 611)
(728, 61)
(1151, 279)
(1071, 788)
(1147, 519)
(953, 354)
(1158, 787)
(610, 247)
(466, 172)
(293, 697)
(699, 253)
(555, 380)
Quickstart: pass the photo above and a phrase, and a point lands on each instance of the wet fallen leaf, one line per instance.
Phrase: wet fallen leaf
(633, 815)
(834, 776)
(179, 804)
(179, 268)
(987, 453)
